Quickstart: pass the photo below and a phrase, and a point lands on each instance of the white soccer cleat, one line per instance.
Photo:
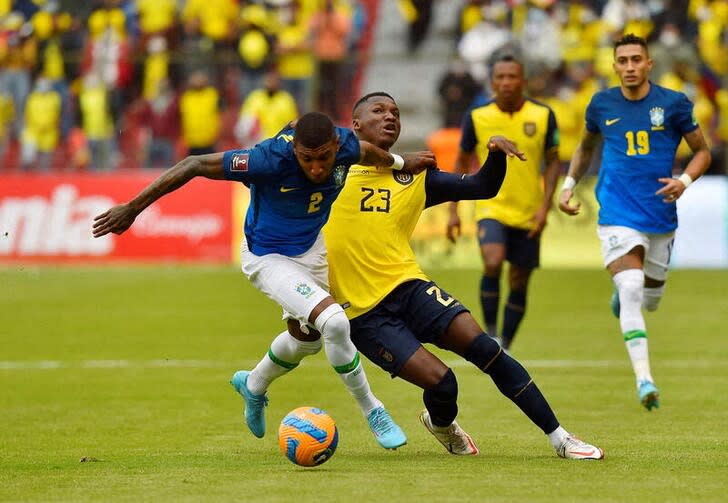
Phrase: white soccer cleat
(573, 448)
(455, 440)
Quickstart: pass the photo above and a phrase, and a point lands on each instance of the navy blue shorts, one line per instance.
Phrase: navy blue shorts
(414, 313)
(520, 249)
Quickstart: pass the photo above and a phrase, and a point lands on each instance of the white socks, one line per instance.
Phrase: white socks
(343, 356)
(630, 285)
(285, 353)
(557, 437)
(652, 297)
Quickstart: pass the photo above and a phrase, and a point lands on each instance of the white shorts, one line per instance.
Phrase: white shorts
(298, 284)
(617, 241)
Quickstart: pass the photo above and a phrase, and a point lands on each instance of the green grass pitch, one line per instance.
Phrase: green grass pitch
(129, 368)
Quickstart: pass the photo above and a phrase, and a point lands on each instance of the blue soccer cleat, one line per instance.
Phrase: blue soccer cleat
(386, 431)
(614, 304)
(649, 395)
(254, 404)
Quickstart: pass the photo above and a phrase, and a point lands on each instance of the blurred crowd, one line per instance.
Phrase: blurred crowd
(567, 50)
(104, 84)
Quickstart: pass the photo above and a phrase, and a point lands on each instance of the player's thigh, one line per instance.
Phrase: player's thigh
(428, 309)
(492, 239)
(286, 281)
(384, 339)
(657, 257)
(460, 334)
(622, 247)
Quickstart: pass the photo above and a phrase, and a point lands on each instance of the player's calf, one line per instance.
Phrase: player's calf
(441, 400)
(652, 297)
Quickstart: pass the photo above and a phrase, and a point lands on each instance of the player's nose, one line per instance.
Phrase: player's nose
(317, 168)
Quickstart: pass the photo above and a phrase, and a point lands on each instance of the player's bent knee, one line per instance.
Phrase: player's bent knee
(446, 389)
(483, 351)
(294, 328)
(333, 324)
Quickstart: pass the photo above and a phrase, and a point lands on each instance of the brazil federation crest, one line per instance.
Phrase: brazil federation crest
(304, 289)
(657, 118)
(529, 128)
(339, 175)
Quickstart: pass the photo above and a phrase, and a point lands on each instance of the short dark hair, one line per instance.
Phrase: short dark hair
(505, 55)
(366, 97)
(313, 130)
(631, 39)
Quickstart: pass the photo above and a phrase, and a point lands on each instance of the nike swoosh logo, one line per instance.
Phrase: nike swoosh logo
(609, 122)
(288, 189)
(582, 453)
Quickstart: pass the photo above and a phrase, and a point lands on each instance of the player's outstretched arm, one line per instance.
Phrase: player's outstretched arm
(413, 163)
(673, 188)
(483, 184)
(577, 167)
(119, 218)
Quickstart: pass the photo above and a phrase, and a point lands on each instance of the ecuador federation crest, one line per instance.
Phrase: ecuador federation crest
(657, 118)
(529, 128)
(402, 178)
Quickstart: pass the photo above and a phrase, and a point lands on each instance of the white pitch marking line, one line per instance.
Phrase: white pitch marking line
(176, 363)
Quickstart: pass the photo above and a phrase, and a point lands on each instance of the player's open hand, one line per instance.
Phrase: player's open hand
(671, 191)
(505, 145)
(416, 162)
(115, 220)
(564, 204)
(539, 222)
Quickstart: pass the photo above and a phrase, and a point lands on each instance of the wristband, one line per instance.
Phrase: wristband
(685, 179)
(569, 183)
(398, 162)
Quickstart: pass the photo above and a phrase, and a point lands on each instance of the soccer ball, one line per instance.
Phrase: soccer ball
(308, 436)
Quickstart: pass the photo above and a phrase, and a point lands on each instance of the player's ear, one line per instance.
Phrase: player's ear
(355, 124)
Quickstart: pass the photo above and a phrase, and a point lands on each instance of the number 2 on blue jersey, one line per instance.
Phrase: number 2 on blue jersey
(315, 203)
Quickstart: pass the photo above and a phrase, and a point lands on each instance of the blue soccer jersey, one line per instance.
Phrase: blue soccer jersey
(286, 210)
(640, 140)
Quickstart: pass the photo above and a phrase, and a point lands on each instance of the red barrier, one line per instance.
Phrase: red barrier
(48, 218)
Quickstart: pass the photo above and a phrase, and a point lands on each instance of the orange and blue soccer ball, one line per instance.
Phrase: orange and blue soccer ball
(308, 436)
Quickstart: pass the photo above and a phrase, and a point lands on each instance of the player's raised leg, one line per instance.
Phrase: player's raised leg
(284, 355)
(329, 319)
(629, 280)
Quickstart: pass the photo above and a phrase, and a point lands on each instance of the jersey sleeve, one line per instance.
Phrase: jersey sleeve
(468, 140)
(247, 165)
(441, 186)
(685, 120)
(552, 133)
(349, 150)
(591, 116)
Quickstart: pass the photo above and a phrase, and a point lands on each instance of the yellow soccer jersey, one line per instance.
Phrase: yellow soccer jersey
(533, 129)
(367, 236)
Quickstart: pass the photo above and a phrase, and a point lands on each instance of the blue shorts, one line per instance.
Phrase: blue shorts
(414, 313)
(520, 249)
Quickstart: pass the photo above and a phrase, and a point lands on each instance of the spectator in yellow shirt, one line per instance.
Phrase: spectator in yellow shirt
(265, 112)
(98, 125)
(200, 115)
(42, 128)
